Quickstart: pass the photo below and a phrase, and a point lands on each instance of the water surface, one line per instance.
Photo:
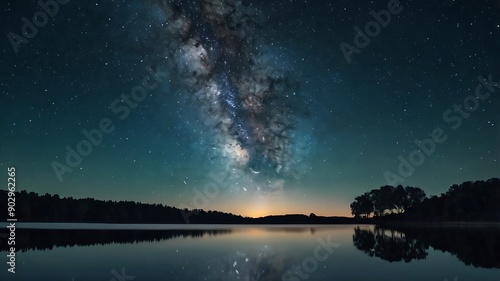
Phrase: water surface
(341, 252)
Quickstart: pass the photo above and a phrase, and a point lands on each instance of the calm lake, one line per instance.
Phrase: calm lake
(341, 252)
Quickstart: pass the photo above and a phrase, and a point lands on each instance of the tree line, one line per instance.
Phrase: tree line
(32, 207)
(386, 200)
(468, 201)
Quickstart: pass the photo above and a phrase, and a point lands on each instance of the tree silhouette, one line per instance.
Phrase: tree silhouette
(383, 199)
(362, 206)
(469, 201)
(51, 208)
(387, 200)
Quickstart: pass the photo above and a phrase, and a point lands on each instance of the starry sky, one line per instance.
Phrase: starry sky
(249, 107)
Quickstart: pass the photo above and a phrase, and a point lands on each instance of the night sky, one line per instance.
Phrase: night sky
(253, 105)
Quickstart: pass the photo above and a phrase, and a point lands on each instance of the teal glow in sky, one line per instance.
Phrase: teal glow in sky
(184, 112)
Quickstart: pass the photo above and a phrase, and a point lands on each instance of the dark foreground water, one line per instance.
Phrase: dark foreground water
(343, 252)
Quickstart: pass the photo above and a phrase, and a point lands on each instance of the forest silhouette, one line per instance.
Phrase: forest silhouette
(467, 202)
(32, 207)
(407, 222)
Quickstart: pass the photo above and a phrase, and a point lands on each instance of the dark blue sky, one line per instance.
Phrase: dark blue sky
(349, 122)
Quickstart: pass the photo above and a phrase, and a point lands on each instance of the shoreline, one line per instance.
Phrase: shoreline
(152, 226)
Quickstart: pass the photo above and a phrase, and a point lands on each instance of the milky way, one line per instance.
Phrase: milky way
(214, 50)
(226, 106)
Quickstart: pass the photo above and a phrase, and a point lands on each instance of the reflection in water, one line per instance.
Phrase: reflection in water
(389, 245)
(479, 247)
(263, 264)
(256, 254)
(291, 229)
(46, 239)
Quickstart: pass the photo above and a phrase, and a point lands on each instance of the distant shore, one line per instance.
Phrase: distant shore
(134, 226)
